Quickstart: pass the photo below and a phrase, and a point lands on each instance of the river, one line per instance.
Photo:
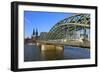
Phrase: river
(33, 53)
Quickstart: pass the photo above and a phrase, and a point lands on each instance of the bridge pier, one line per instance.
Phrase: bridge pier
(51, 47)
(51, 52)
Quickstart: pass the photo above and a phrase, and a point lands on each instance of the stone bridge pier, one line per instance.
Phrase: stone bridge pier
(50, 51)
(50, 47)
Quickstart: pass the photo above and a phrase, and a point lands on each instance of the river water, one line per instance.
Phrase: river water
(33, 53)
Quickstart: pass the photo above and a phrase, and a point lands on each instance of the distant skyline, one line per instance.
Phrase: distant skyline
(42, 21)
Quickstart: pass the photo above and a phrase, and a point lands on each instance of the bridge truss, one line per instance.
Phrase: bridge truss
(69, 28)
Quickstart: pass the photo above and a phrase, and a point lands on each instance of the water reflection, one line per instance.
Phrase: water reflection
(34, 53)
(53, 54)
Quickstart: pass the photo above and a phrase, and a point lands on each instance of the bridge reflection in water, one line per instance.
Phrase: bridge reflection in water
(33, 53)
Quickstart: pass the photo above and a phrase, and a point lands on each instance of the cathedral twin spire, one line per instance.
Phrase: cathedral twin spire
(35, 32)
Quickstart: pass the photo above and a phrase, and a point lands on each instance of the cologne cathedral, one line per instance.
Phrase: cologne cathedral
(34, 36)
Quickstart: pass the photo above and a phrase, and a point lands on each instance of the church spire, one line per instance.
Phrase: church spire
(33, 32)
(36, 32)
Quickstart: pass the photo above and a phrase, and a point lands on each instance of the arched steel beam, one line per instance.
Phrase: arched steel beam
(76, 19)
(67, 25)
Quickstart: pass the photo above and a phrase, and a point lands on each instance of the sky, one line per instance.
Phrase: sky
(42, 21)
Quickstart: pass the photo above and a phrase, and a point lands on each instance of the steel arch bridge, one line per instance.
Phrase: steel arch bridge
(68, 26)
